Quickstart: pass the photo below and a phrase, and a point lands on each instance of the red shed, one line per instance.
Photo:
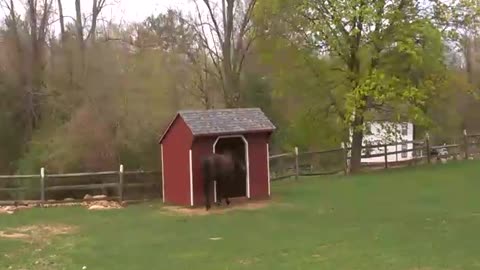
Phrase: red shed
(193, 134)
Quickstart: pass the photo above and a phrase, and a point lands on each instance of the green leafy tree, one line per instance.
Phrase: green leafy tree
(388, 53)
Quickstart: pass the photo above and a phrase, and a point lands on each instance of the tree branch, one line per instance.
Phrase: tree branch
(240, 51)
(62, 20)
(243, 55)
(213, 18)
(212, 52)
(97, 8)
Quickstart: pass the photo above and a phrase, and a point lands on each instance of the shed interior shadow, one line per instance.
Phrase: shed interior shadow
(237, 146)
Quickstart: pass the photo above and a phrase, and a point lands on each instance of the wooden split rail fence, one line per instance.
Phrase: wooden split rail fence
(121, 185)
(116, 185)
(336, 161)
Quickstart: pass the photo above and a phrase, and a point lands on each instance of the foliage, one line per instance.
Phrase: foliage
(386, 57)
(100, 93)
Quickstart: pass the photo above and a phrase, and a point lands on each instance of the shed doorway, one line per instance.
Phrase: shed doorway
(239, 146)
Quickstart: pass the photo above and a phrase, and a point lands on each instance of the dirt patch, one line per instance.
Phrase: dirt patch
(90, 205)
(12, 209)
(248, 261)
(99, 202)
(5, 210)
(237, 204)
(13, 235)
(37, 237)
(36, 232)
(318, 257)
(103, 205)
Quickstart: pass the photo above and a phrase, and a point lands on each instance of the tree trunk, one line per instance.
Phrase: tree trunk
(80, 39)
(66, 48)
(203, 84)
(93, 30)
(97, 7)
(228, 73)
(231, 91)
(35, 81)
(357, 139)
(354, 67)
(469, 58)
(62, 21)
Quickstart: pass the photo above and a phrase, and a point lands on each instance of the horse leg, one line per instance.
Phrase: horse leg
(206, 185)
(219, 192)
(226, 194)
(206, 190)
(223, 191)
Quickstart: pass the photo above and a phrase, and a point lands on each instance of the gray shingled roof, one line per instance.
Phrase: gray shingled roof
(224, 121)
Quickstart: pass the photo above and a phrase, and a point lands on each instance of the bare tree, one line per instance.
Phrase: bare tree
(226, 33)
(31, 56)
(175, 35)
(97, 8)
(203, 80)
(61, 19)
(82, 29)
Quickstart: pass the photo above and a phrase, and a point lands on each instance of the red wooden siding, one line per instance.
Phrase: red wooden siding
(201, 147)
(176, 146)
(179, 140)
(257, 152)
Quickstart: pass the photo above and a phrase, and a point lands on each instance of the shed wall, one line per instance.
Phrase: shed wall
(176, 163)
(257, 151)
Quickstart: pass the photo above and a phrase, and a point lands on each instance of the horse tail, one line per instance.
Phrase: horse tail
(206, 182)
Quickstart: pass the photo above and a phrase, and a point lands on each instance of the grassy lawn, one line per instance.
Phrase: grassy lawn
(419, 218)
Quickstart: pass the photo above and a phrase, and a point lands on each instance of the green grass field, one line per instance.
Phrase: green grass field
(410, 219)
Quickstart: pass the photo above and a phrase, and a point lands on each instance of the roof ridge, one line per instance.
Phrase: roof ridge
(223, 109)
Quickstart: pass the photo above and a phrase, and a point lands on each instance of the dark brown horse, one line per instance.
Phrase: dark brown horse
(221, 169)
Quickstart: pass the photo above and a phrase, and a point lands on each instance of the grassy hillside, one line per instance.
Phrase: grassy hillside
(420, 218)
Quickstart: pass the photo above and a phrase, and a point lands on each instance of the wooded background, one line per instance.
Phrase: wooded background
(100, 92)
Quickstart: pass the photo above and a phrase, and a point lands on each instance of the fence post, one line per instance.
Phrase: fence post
(427, 145)
(42, 186)
(120, 184)
(465, 140)
(297, 169)
(414, 154)
(345, 158)
(385, 150)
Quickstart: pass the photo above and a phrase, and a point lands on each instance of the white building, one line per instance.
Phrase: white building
(384, 132)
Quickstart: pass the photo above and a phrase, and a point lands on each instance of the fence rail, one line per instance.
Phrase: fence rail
(294, 164)
(70, 175)
(140, 185)
(41, 188)
(19, 176)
